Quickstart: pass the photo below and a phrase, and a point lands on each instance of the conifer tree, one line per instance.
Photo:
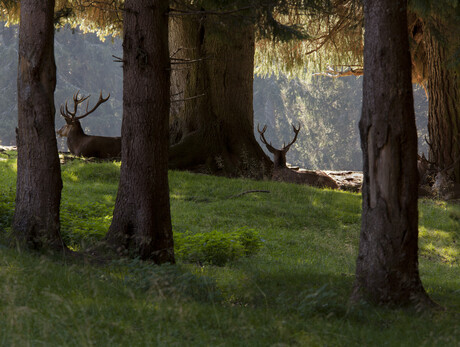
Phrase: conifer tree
(38, 194)
(387, 265)
(212, 117)
(141, 225)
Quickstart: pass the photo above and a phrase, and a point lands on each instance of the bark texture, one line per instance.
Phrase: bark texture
(214, 132)
(444, 105)
(141, 223)
(387, 264)
(38, 190)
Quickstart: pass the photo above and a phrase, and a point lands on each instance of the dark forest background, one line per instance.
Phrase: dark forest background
(328, 109)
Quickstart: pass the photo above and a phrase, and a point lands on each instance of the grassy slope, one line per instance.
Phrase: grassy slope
(294, 291)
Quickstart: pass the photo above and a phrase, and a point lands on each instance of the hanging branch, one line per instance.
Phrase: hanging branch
(175, 12)
(117, 59)
(179, 61)
(331, 72)
(190, 98)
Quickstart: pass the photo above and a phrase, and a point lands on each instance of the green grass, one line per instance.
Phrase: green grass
(294, 291)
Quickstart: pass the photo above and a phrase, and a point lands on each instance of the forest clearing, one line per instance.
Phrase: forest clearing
(293, 290)
(195, 208)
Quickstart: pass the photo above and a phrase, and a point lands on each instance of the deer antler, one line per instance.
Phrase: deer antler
(63, 114)
(99, 102)
(296, 131)
(264, 141)
(77, 100)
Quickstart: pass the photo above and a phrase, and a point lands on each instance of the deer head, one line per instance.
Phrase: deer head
(279, 155)
(71, 118)
(86, 145)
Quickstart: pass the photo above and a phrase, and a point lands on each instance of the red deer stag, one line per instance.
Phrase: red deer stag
(84, 145)
(282, 173)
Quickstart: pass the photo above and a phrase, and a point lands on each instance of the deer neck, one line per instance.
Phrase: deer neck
(76, 136)
(279, 159)
(76, 130)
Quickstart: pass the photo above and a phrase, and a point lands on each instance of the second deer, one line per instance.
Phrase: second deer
(282, 173)
(84, 145)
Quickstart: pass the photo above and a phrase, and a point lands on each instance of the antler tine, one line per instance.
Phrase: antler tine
(296, 131)
(76, 101)
(79, 100)
(262, 138)
(99, 102)
(261, 132)
(68, 112)
(63, 114)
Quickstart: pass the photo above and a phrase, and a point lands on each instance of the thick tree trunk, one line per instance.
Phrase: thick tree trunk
(214, 132)
(444, 105)
(387, 264)
(38, 193)
(141, 223)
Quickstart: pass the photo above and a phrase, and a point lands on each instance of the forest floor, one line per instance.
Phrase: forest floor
(288, 271)
(346, 180)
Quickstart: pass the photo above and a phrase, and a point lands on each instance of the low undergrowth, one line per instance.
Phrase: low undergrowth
(256, 269)
(215, 247)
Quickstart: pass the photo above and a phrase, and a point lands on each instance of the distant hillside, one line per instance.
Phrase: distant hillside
(328, 109)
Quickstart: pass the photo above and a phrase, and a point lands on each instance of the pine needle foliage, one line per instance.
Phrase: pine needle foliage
(334, 38)
(296, 37)
(291, 35)
(103, 17)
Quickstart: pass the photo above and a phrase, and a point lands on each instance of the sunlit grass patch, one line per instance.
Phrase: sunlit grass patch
(293, 291)
(439, 231)
(81, 171)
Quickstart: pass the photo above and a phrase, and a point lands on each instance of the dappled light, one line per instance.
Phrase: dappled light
(441, 244)
(254, 241)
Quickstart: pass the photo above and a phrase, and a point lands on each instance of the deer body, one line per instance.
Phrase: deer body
(312, 178)
(282, 173)
(84, 145)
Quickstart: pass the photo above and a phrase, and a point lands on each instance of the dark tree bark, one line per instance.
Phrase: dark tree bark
(38, 193)
(444, 104)
(387, 264)
(214, 132)
(141, 223)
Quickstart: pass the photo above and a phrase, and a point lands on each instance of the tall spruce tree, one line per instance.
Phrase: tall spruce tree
(215, 130)
(387, 266)
(441, 38)
(212, 81)
(141, 225)
(38, 194)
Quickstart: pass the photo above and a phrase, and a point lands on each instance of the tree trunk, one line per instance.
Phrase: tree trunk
(387, 264)
(214, 132)
(38, 191)
(141, 223)
(443, 114)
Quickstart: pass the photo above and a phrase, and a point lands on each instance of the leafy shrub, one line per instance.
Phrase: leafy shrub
(250, 240)
(215, 247)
